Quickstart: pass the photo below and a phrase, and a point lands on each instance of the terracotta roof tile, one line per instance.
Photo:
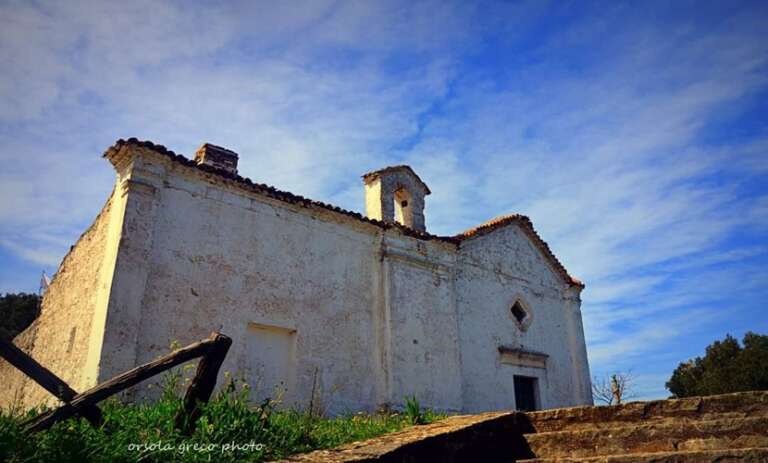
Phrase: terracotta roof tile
(270, 191)
(291, 198)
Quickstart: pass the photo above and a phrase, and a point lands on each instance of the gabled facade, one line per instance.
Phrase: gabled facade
(361, 311)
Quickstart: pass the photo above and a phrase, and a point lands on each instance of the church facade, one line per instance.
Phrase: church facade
(352, 311)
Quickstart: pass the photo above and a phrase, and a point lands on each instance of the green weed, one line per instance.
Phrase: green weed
(231, 428)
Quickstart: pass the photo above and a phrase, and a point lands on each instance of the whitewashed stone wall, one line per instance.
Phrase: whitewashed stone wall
(66, 337)
(493, 271)
(320, 301)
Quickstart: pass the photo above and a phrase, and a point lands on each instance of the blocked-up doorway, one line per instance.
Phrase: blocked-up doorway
(526, 393)
(270, 361)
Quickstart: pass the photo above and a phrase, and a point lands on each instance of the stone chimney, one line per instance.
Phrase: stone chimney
(396, 194)
(218, 157)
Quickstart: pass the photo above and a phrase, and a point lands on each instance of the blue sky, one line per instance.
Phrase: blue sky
(635, 135)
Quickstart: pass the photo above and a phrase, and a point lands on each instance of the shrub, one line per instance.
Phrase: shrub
(726, 367)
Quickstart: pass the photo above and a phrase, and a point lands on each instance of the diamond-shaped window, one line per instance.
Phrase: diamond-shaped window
(521, 314)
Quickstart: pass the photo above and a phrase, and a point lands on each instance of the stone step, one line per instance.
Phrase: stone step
(623, 421)
(663, 436)
(746, 455)
(733, 405)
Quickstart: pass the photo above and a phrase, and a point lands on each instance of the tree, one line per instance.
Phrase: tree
(614, 389)
(17, 311)
(726, 367)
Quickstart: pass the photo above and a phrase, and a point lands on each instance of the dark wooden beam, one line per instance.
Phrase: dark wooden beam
(202, 385)
(45, 378)
(126, 380)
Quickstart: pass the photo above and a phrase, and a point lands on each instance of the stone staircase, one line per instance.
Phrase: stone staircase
(724, 428)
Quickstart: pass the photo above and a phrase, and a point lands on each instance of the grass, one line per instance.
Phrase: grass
(145, 432)
(414, 412)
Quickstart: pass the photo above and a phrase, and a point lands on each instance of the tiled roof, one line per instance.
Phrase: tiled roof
(269, 191)
(285, 196)
(408, 169)
(525, 224)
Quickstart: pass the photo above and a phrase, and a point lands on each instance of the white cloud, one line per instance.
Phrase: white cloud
(183, 76)
(49, 257)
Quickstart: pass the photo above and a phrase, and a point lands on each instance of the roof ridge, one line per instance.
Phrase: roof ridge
(271, 191)
(291, 198)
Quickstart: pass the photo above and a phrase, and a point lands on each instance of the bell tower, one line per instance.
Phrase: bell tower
(396, 194)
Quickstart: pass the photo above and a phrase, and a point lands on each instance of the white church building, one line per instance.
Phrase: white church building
(364, 310)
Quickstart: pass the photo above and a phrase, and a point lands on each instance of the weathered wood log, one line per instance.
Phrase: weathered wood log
(45, 378)
(202, 385)
(123, 381)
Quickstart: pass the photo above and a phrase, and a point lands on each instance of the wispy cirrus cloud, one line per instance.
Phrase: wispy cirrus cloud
(618, 168)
